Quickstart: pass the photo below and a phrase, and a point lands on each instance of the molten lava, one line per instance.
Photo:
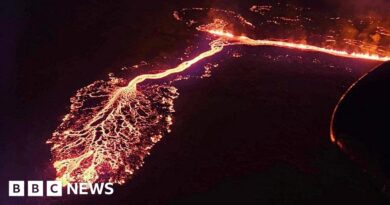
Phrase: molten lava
(252, 42)
(113, 125)
(109, 141)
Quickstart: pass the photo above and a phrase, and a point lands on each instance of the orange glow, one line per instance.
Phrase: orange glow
(102, 141)
(251, 42)
(109, 140)
(216, 46)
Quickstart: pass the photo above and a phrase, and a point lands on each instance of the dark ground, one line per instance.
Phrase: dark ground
(256, 131)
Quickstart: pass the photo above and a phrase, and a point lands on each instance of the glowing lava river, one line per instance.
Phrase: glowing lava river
(112, 126)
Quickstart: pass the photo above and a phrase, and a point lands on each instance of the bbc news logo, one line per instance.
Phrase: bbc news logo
(55, 189)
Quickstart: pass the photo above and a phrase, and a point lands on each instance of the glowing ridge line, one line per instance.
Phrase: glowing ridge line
(252, 42)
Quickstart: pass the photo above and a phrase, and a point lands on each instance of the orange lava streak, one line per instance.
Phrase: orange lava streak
(216, 47)
(248, 41)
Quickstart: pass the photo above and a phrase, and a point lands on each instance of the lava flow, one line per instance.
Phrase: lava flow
(252, 42)
(113, 125)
